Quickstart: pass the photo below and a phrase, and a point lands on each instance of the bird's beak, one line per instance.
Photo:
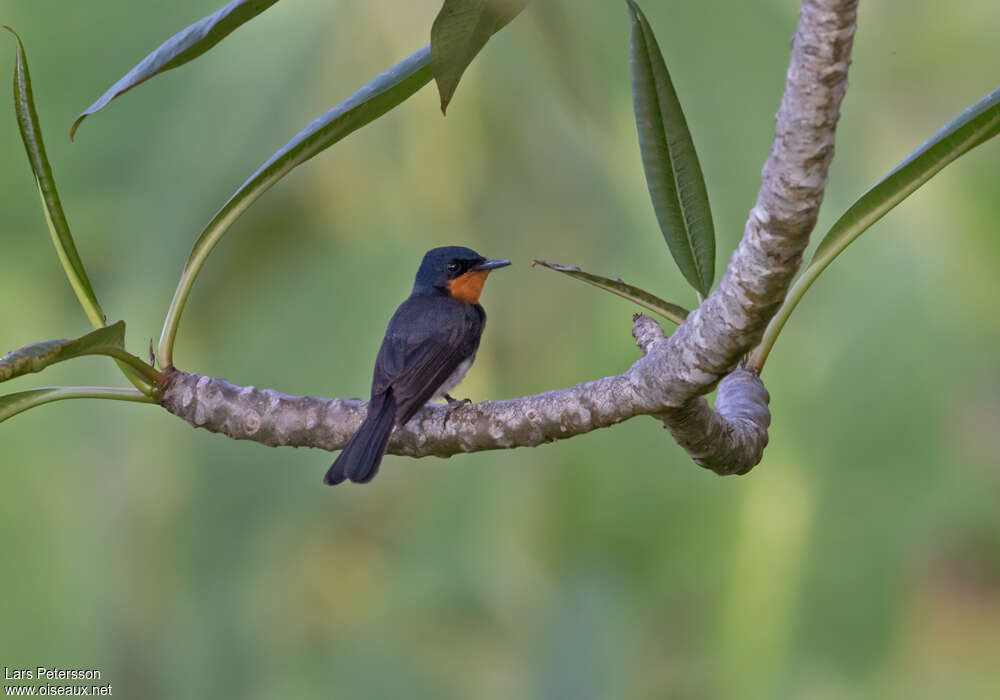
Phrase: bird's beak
(487, 265)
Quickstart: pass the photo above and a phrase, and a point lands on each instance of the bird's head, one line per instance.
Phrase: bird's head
(456, 272)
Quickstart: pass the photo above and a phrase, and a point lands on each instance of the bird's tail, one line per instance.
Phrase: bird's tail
(359, 459)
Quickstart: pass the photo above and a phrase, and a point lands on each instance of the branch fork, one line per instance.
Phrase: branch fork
(675, 373)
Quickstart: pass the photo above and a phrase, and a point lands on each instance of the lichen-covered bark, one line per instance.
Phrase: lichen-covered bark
(731, 321)
(733, 318)
(731, 439)
(670, 381)
(273, 418)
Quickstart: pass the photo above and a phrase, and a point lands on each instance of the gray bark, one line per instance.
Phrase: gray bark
(671, 379)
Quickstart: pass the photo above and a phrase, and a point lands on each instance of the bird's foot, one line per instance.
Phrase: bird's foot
(452, 400)
(453, 405)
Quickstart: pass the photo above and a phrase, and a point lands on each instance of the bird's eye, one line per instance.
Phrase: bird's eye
(453, 267)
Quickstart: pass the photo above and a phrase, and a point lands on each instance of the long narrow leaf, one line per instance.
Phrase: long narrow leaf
(107, 340)
(36, 357)
(973, 127)
(184, 46)
(367, 104)
(673, 173)
(12, 404)
(31, 134)
(669, 311)
(460, 31)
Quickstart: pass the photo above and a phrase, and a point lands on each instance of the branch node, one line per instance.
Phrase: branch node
(646, 332)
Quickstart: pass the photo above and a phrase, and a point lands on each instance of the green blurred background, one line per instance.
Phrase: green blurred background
(861, 559)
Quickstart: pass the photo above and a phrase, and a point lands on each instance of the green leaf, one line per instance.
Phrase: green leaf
(107, 340)
(367, 104)
(673, 173)
(12, 404)
(669, 311)
(184, 46)
(973, 127)
(36, 357)
(460, 31)
(31, 135)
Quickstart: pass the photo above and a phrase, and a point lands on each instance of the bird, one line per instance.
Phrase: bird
(429, 345)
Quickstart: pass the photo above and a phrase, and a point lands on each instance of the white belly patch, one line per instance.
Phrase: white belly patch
(456, 377)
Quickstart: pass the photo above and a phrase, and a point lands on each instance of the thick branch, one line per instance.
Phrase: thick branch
(732, 319)
(670, 381)
(731, 439)
(273, 418)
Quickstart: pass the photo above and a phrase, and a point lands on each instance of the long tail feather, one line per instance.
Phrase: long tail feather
(359, 459)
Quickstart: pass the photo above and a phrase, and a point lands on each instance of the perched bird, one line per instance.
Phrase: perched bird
(428, 347)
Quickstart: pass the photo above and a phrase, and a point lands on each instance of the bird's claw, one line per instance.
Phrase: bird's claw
(453, 404)
(452, 400)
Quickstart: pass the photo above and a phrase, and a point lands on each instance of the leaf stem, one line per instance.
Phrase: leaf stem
(12, 404)
(148, 380)
(759, 355)
(973, 127)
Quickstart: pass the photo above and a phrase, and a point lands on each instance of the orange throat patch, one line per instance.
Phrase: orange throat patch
(469, 286)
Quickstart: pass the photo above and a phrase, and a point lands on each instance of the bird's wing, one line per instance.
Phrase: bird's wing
(425, 342)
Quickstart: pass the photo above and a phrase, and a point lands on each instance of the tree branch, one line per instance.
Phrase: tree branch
(670, 381)
(731, 321)
(275, 419)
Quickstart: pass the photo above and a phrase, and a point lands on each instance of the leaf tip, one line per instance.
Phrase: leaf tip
(17, 37)
(446, 94)
(634, 13)
(76, 123)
